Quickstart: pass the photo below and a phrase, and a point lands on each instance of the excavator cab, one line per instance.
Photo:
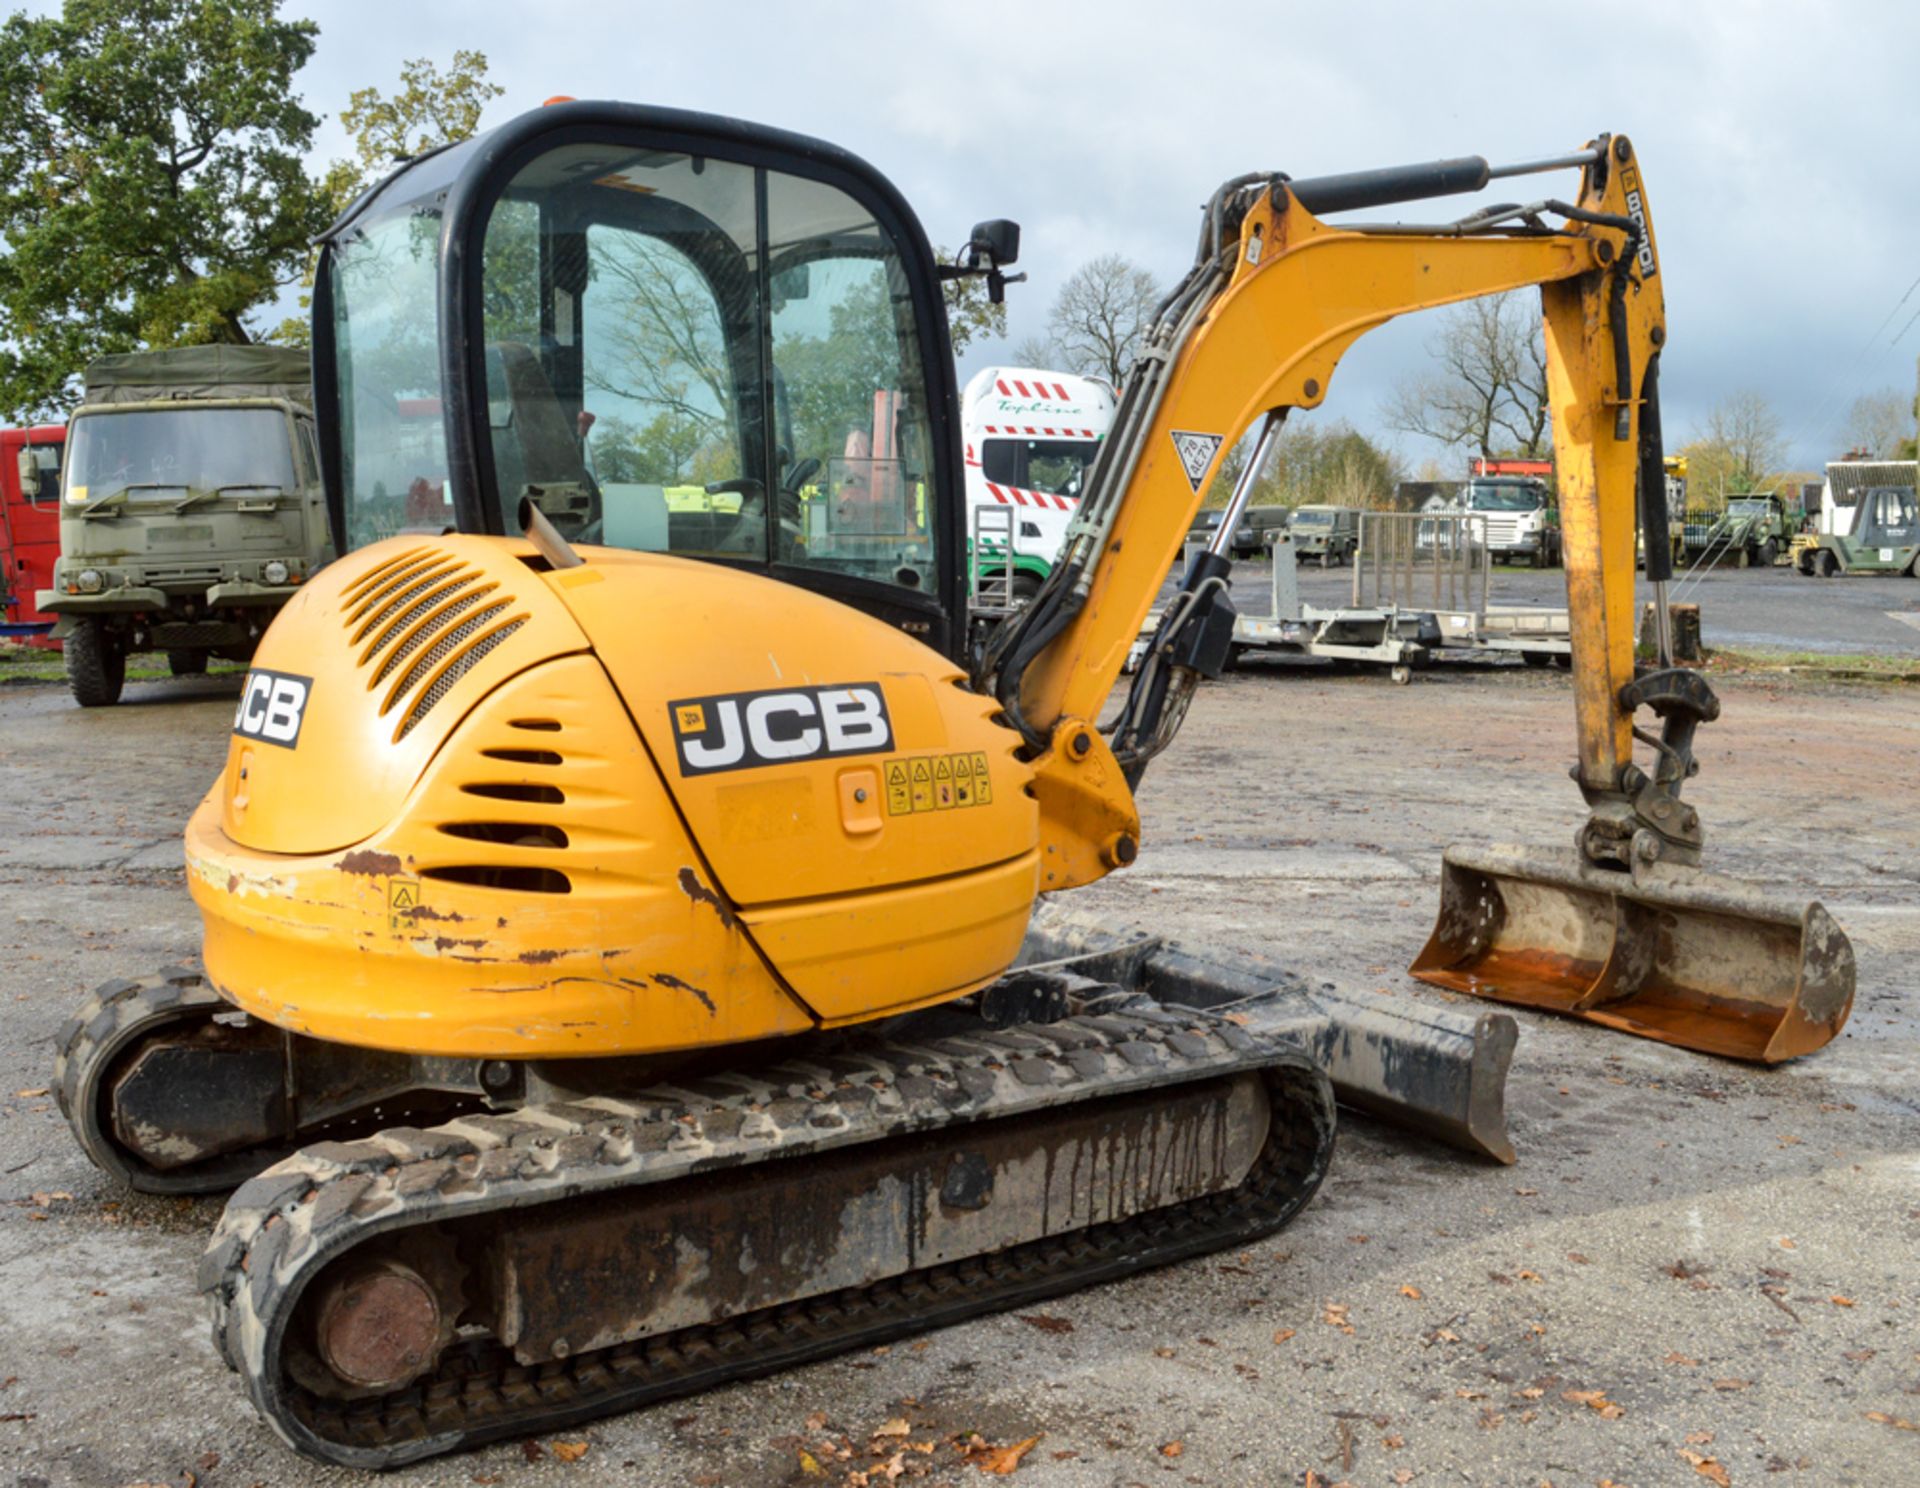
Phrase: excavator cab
(670, 333)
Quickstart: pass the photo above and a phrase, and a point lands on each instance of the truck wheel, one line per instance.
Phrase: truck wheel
(187, 663)
(1829, 565)
(1025, 586)
(1537, 658)
(96, 665)
(1769, 550)
(1805, 562)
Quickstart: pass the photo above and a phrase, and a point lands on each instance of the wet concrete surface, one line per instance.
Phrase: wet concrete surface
(1728, 1256)
(1775, 609)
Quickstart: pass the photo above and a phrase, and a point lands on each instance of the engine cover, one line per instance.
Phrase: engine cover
(474, 806)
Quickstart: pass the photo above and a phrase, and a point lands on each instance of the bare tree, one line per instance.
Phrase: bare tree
(1880, 423)
(1489, 390)
(1036, 352)
(1101, 315)
(1744, 428)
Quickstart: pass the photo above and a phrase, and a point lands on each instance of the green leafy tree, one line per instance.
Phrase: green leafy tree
(430, 108)
(971, 316)
(1333, 465)
(151, 185)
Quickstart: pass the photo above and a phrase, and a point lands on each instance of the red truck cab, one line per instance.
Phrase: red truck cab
(30, 462)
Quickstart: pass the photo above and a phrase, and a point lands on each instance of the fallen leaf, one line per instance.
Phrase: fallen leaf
(37, 1091)
(1578, 1259)
(532, 1451)
(1596, 1400)
(1163, 1353)
(814, 1422)
(1529, 1275)
(1045, 1323)
(1000, 1461)
(897, 1426)
(1403, 1475)
(1528, 1193)
(1532, 1392)
(1680, 1359)
(1393, 1443)
(1839, 1301)
(1699, 1438)
(1283, 1335)
(1359, 1239)
(569, 1451)
(1859, 1355)
(1335, 1316)
(809, 1465)
(1411, 1291)
(1731, 1384)
(1173, 1449)
(1786, 1244)
(1898, 1423)
(1707, 1467)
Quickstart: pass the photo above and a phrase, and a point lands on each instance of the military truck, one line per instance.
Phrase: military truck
(1328, 534)
(1753, 530)
(191, 510)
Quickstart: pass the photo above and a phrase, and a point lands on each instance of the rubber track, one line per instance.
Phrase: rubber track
(285, 1226)
(116, 1016)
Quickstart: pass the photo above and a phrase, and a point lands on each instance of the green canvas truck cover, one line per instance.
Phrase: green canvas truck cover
(190, 372)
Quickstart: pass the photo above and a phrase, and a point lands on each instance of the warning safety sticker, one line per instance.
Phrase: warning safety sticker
(1196, 454)
(937, 782)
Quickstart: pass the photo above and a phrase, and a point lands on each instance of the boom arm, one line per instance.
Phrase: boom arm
(1275, 299)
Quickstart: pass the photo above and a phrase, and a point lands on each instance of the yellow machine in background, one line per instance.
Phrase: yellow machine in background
(583, 827)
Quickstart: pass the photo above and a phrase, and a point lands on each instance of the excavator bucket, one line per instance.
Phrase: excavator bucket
(1670, 953)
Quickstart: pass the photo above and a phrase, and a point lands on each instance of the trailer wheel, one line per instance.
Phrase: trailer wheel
(96, 666)
(1537, 658)
(187, 663)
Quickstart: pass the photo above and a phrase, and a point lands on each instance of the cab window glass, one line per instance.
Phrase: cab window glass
(627, 405)
(851, 434)
(393, 459)
(47, 458)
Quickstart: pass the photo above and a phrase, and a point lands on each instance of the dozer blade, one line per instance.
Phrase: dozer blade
(1675, 954)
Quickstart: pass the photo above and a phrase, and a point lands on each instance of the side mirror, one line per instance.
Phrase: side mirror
(30, 474)
(998, 242)
(794, 282)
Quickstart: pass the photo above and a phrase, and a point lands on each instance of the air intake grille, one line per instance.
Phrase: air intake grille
(422, 621)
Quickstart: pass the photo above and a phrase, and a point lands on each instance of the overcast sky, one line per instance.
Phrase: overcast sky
(1780, 143)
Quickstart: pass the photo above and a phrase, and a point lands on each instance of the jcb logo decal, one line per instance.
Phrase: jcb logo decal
(1636, 209)
(272, 707)
(746, 730)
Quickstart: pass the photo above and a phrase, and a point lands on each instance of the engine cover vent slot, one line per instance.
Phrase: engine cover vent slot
(503, 790)
(524, 756)
(493, 876)
(508, 834)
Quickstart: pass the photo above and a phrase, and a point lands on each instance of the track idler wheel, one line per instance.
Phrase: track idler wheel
(153, 1039)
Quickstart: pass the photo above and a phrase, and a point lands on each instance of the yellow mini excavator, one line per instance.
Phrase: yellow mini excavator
(611, 888)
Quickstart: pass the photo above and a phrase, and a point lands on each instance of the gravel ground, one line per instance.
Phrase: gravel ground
(1698, 1272)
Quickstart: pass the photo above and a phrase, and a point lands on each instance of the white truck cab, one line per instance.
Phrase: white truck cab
(1031, 436)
